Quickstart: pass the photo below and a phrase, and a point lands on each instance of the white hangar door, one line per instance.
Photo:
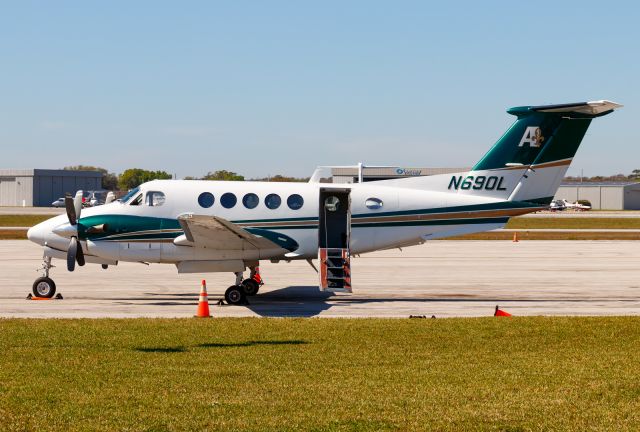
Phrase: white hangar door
(8, 191)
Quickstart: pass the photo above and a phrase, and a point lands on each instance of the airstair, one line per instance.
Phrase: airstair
(335, 269)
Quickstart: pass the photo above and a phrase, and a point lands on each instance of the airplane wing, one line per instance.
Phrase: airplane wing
(213, 232)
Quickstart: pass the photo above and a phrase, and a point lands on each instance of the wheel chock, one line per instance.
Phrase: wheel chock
(32, 297)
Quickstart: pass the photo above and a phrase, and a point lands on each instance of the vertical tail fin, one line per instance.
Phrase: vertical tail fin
(529, 161)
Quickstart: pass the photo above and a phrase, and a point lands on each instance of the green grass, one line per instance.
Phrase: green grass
(22, 220)
(13, 234)
(321, 374)
(573, 223)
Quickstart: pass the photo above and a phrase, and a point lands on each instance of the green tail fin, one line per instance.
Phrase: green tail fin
(543, 134)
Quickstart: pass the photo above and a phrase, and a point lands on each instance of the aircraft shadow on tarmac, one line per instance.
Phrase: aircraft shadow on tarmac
(309, 301)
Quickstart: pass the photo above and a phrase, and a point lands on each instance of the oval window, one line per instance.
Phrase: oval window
(295, 202)
(272, 201)
(228, 200)
(373, 203)
(250, 200)
(332, 203)
(206, 199)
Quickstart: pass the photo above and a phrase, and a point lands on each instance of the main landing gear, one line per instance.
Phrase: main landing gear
(237, 294)
(45, 286)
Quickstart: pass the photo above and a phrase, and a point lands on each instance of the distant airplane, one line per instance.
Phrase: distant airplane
(220, 226)
(557, 205)
(576, 205)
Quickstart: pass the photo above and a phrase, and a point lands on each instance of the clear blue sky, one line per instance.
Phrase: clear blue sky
(266, 87)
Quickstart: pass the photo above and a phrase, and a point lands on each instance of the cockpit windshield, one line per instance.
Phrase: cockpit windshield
(130, 195)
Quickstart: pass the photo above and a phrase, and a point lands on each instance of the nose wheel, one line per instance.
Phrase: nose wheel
(44, 287)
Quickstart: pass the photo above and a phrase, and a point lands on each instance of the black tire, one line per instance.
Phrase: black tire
(251, 287)
(44, 287)
(235, 295)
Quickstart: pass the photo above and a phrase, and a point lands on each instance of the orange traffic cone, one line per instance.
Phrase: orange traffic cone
(515, 237)
(203, 302)
(500, 313)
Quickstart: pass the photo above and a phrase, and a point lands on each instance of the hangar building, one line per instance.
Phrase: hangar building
(603, 196)
(350, 174)
(40, 187)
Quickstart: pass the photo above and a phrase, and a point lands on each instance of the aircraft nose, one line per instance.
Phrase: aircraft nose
(36, 234)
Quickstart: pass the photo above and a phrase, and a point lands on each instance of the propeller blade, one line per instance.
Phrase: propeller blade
(77, 203)
(72, 253)
(80, 255)
(71, 209)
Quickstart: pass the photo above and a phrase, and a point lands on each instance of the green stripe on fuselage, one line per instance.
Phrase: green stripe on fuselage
(116, 227)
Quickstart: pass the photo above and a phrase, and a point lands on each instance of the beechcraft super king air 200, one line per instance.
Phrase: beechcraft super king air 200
(221, 226)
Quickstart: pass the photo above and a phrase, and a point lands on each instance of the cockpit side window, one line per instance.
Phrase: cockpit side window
(130, 195)
(136, 201)
(154, 198)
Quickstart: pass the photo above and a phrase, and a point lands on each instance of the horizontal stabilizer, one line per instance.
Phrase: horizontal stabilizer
(582, 109)
(593, 107)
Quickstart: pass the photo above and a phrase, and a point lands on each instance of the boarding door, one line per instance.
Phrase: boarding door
(334, 233)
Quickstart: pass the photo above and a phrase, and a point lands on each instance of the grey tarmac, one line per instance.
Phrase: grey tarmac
(441, 278)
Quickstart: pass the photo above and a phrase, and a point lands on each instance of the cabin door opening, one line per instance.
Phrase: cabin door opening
(334, 234)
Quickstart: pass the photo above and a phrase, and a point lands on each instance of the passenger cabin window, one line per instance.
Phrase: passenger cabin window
(228, 200)
(155, 199)
(295, 202)
(206, 199)
(273, 201)
(250, 200)
(373, 203)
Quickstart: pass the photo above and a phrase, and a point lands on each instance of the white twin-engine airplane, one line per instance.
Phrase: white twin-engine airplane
(220, 226)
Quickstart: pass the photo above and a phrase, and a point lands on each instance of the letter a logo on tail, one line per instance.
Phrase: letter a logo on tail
(532, 136)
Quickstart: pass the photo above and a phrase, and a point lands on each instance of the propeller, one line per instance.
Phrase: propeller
(74, 252)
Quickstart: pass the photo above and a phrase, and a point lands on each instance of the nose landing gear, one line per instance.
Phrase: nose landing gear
(45, 286)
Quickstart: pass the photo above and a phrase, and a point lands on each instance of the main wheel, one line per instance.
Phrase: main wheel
(44, 287)
(235, 295)
(251, 287)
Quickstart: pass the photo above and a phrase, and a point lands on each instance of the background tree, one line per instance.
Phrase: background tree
(223, 175)
(281, 178)
(134, 177)
(109, 180)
